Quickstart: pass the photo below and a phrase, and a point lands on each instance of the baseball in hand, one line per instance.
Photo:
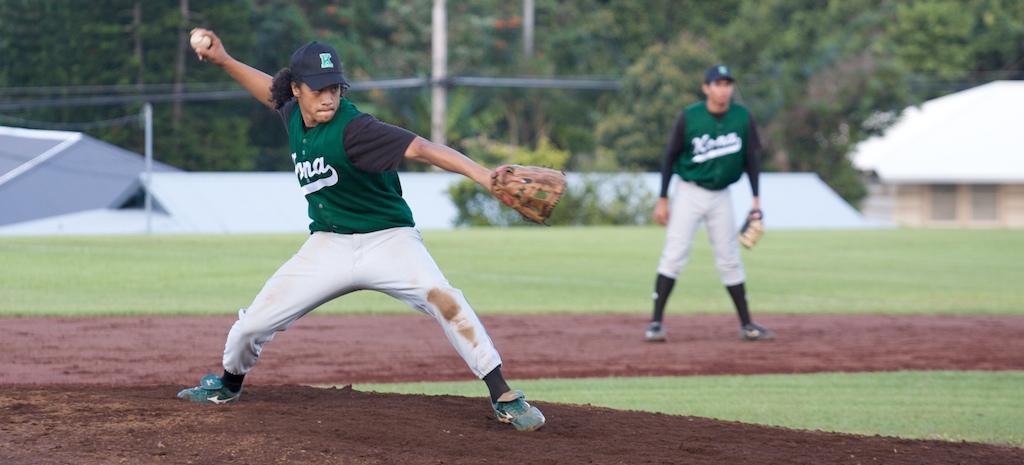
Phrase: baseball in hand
(200, 41)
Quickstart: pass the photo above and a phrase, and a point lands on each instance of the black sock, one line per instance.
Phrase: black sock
(232, 381)
(662, 288)
(739, 298)
(496, 383)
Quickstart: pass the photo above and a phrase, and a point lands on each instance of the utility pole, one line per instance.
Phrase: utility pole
(528, 20)
(439, 74)
(147, 114)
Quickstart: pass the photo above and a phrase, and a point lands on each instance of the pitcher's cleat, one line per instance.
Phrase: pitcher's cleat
(210, 391)
(512, 408)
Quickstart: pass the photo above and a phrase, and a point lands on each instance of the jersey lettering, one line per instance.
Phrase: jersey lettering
(306, 171)
(705, 148)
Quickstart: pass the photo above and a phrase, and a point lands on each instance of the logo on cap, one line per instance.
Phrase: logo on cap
(723, 70)
(325, 60)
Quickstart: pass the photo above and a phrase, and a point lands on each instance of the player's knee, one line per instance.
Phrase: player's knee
(733, 276)
(253, 331)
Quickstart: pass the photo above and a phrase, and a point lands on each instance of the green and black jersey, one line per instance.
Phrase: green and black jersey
(347, 170)
(712, 150)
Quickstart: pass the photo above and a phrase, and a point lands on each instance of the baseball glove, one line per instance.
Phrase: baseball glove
(530, 190)
(752, 229)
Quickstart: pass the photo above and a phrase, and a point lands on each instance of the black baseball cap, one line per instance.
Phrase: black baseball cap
(318, 65)
(717, 72)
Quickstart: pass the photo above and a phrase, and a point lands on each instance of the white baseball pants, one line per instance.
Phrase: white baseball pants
(689, 205)
(393, 261)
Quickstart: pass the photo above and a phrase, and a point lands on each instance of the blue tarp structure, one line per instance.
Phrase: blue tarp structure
(57, 182)
(241, 203)
(49, 173)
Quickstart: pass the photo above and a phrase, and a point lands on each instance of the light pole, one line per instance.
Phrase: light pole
(147, 112)
(528, 20)
(439, 74)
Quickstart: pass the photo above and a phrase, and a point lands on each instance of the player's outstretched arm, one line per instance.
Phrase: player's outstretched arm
(255, 81)
(448, 159)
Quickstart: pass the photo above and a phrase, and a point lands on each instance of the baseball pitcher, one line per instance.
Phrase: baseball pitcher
(362, 233)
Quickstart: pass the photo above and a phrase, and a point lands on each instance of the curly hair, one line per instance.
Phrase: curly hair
(281, 88)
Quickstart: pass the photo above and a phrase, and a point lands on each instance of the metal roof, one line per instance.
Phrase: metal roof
(974, 136)
(48, 173)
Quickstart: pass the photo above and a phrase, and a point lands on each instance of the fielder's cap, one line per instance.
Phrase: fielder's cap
(317, 65)
(717, 72)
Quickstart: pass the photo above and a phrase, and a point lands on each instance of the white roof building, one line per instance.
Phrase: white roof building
(955, 161)
(974, 136)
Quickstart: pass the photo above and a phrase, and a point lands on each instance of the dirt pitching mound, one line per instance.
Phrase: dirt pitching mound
(101, 390)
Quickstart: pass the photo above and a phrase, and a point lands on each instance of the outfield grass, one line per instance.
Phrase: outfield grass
(568, 270)
(946, 405)
(609, 270)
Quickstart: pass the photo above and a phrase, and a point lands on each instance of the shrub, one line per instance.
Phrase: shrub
(590, 199)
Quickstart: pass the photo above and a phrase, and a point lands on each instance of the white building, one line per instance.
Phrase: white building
(955, 161)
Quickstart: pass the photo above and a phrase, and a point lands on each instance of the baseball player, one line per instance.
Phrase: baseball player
(362, 234)
(712, 144)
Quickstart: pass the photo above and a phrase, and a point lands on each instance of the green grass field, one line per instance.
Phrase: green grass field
(584, 270)
(609, 270)
(953, 406)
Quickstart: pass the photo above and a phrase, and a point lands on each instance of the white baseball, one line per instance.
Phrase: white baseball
(200, 41)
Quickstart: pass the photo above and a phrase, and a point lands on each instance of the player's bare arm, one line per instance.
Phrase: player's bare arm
(661, 211)
(255, 81)
(448, 159)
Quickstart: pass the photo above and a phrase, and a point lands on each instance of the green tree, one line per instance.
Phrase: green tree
(634, 133)
(815, 74)
(920, 28)
(951, 45)
(49, 45)
(816, 85)
(123, 47)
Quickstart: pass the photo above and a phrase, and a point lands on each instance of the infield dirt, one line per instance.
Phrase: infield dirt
(102, 390)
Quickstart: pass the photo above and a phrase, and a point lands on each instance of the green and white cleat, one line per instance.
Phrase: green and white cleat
(210, 391)
(512, 408)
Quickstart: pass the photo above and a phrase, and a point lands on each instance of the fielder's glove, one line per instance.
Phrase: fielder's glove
(530, 190)
(752, 229)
